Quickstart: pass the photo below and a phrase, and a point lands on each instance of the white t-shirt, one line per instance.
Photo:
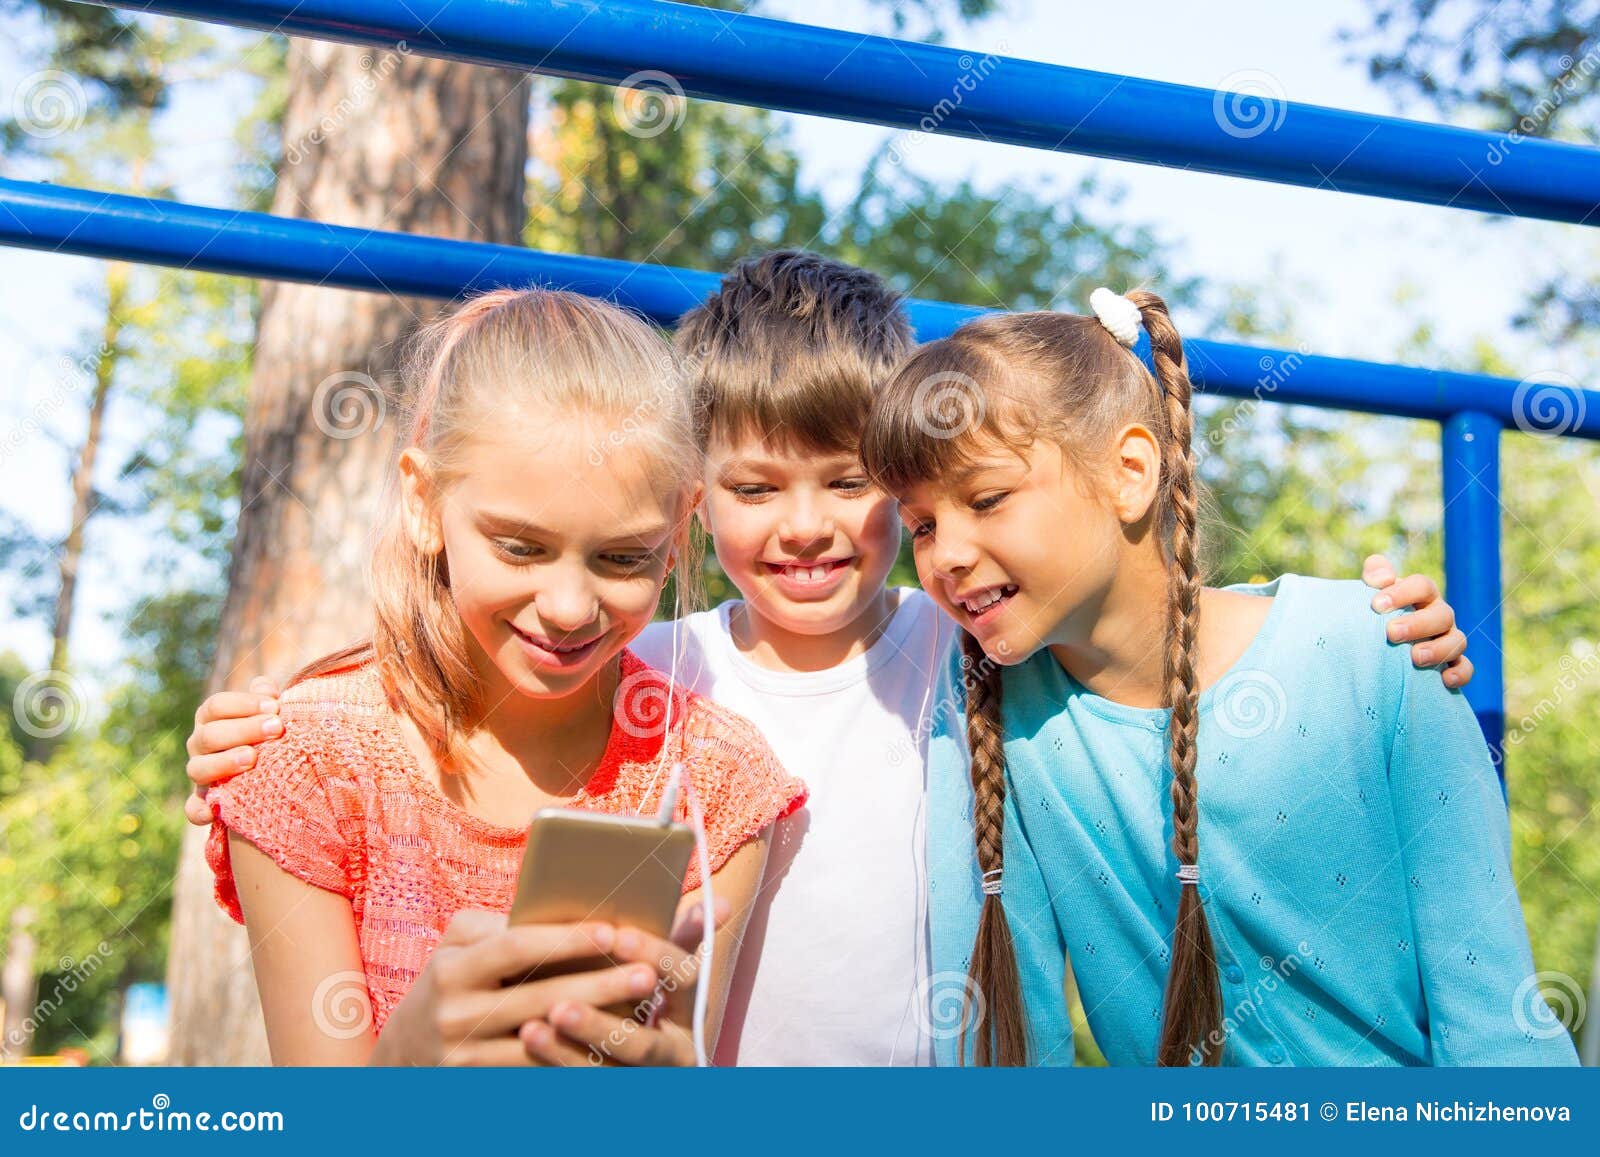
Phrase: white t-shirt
(835, 958)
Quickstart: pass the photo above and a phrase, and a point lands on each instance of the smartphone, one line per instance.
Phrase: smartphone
(583, 865)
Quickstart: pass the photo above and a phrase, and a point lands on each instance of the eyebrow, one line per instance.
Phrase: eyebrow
(959, 476)
(511, 524)
(733, 465)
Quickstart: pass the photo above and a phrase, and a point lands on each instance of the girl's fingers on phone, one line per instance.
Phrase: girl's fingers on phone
(518, 949)
(503, 1052)
(548, 1047)
(502, 1011)
(197, 811)
(667, 958)
(471, 925)
(621, 1041)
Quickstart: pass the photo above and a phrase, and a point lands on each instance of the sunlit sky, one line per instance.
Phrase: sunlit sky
(1338, 261)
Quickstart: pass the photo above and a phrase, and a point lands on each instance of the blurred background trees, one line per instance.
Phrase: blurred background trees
(266, 414)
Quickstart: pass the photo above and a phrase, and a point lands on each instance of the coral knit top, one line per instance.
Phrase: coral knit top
(341, 802)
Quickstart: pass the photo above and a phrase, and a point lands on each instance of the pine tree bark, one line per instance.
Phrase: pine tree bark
(386, 141)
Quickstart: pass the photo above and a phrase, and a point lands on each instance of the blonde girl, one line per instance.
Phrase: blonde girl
(375, 866)
(1261, 835)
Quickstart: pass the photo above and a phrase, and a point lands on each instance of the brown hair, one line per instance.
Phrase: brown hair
(1011, 378)
(499, 353)
(791, 348)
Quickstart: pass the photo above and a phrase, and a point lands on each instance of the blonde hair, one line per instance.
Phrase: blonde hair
(544, 350)
(1011, 378)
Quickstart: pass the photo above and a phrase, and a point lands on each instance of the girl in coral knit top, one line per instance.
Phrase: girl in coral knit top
(538, 506)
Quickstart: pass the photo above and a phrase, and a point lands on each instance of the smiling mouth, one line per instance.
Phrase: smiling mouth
(987, 600)
(553, 647)
(807, 572)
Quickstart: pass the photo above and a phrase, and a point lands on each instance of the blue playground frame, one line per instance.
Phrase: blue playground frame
(749, 60)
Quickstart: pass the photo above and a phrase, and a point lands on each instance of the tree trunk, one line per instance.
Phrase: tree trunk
(40, 747)
(385, 141)
(19, 988)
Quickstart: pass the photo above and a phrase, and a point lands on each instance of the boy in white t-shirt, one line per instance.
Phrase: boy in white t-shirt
(835, 667)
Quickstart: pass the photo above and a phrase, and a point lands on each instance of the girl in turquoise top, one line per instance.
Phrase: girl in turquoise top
(1343, 897)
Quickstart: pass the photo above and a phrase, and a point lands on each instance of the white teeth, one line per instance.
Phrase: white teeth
(987, 599)
(808, 574)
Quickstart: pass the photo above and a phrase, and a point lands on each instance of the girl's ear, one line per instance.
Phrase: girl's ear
(417, 493)
(685, 527)
(1135, 473)
(702, 508)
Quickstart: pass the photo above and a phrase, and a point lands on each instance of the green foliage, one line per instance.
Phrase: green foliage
(1530, 69)
(91, 838)
(1520, 66)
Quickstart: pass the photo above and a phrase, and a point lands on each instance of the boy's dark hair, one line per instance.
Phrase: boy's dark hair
(790, 349)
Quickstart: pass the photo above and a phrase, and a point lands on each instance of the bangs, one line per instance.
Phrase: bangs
(808, 406)
(942, 410)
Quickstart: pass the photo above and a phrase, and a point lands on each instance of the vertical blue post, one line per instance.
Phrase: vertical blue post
(1472, 564)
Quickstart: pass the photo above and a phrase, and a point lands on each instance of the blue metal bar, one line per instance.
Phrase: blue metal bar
(1472, 564)
(798, 68)
(114, 225)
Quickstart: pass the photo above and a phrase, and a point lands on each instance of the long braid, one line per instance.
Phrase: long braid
(1193, 1021)
(995, 987)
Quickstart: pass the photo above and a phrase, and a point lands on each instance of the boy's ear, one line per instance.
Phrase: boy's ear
(417, 495)
(1135, 473)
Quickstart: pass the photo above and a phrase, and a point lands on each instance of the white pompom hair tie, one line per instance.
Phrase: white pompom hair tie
(1119, 315)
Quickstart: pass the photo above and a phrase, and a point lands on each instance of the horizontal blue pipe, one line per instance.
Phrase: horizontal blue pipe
(117, 226)
(773, 64)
